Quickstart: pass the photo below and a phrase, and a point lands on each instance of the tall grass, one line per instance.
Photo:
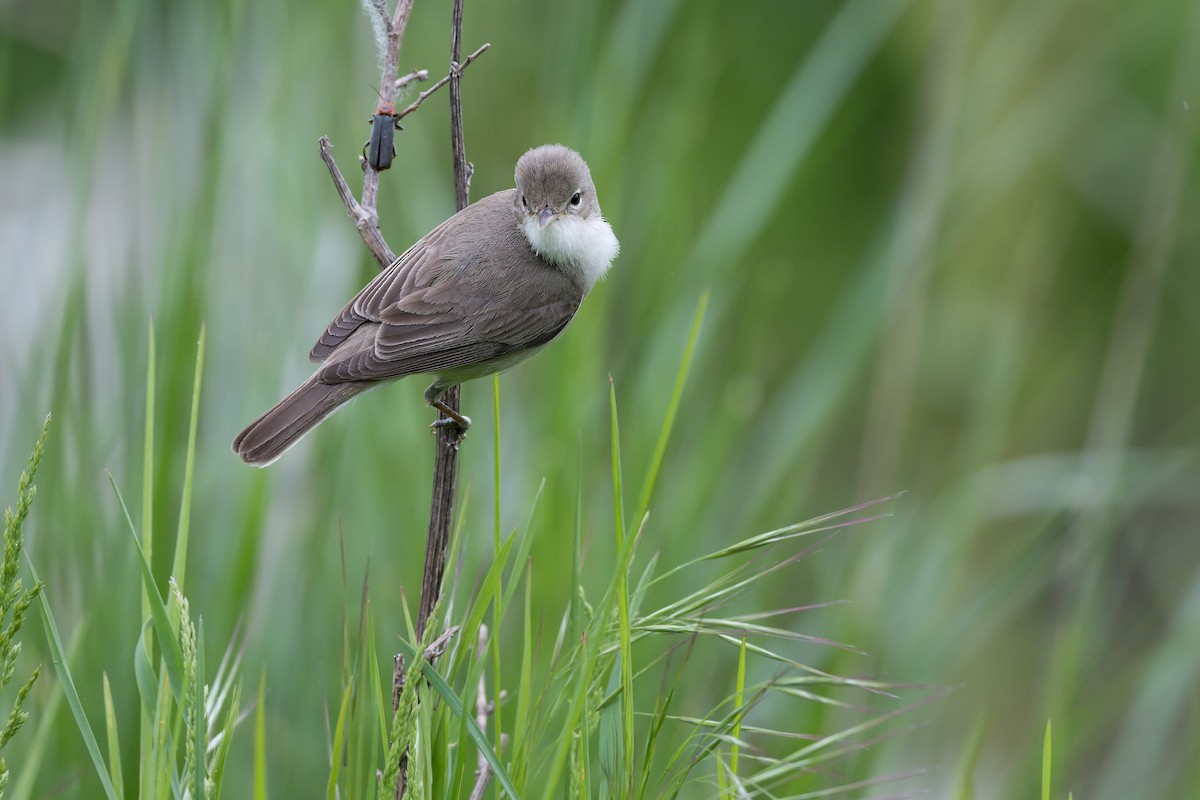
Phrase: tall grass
(948, 247)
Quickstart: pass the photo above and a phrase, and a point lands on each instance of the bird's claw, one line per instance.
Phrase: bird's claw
(443, 422)
(452, 419)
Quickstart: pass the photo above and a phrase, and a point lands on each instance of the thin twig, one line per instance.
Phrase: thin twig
(461, 175)
(415, 75)
(364, 217)
(442, 81)
(445, 468)
(439, 645)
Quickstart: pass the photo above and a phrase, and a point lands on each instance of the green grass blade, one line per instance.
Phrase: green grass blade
(626, 776)
(217, 773)
(664, 433)
(1046, 762)
(148, 460)
(34, 756)
(114, 742)
(969, 762)
(576, 599)
(146, 677)
(739, 697)
(577, 712)
(63, 671)
(171, 652)
(470, 629)
(179, 565)
(198, 727)
(497, 603)
(260, 739)
(145, 641)
(522, 555)
(525, 692)
(335, 748)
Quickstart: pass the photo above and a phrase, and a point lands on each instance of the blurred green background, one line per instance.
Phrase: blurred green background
(952, 250)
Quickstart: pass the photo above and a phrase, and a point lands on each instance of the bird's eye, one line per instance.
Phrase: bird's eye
(575, 198)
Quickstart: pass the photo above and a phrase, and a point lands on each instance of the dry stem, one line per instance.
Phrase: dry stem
(483, 710)
(445, 469)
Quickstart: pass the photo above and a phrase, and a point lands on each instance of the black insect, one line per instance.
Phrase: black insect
(380, 150)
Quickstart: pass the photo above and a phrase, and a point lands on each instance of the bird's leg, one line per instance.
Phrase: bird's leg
(461, 420)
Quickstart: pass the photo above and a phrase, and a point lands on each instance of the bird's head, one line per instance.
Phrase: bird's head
(556, 208)
(553, 185)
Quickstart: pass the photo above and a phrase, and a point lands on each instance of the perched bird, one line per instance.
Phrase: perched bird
(482, 291)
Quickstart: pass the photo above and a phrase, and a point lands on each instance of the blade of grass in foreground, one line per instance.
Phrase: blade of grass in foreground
(739, 697)
(114, 744)
(179, 565)
(146, 639)
(31, 763)
(497, 611)
(1046, 761)
(335, 749)
(63, 671)
(260, 739)
(626, 776)
(197, 733)
(664, 433)
(171, 653)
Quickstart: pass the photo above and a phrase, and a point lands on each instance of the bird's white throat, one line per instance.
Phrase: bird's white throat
(585, 247)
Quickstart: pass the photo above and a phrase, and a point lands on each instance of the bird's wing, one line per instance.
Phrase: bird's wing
(387, 287)
(441, 307)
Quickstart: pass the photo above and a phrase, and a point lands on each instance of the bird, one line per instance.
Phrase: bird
(481, 292)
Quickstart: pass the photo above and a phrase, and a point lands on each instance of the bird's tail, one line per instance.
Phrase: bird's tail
(265, 439)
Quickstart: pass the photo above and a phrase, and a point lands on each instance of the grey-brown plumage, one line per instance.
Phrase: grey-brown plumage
(482, 291)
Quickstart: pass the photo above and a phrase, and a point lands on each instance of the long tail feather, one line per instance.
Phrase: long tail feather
(266, 439)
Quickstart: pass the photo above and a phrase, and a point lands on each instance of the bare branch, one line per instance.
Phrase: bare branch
(415, 75)
(442, 81)
(439, 645)
(445, 467)
(362, 215)
(456, 126)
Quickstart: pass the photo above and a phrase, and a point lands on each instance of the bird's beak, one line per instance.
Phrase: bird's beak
(545, 216)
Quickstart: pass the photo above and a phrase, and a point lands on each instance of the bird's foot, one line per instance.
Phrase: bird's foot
(452, 419)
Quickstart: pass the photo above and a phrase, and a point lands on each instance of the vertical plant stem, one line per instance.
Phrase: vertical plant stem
(445, 470)
(626, 648)
(445, 467)
(496, 600)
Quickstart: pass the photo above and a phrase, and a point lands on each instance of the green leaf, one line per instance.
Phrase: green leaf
(114, 743)
(1046, 763)
(335, 749)
(260, 739)
(664, 433)
(68, 686)
(171, 653)
(179, 565)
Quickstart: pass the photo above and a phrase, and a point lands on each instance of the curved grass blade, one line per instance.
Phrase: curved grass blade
(664, 433)
(171, 653)
(68, 686)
